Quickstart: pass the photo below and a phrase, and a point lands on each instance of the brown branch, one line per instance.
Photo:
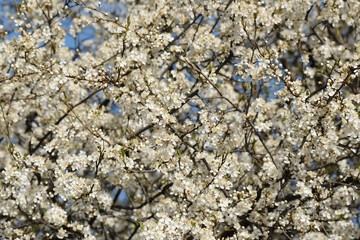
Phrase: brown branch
(49, 133)
(149, 200)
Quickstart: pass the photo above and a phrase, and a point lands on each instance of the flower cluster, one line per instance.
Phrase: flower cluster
(179, 119)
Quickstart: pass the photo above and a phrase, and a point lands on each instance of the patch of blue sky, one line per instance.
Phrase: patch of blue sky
(41, 44)
(273, 87)
(122, 199)
(12, 35)
(70, 3)
(66, 23)
(193, 113)
(116, 110)
(7, 23)
(118, 9)
(215, 31)
(189, 77)
(239, 81)
(356, 219)
(70, 41)
(76, 42)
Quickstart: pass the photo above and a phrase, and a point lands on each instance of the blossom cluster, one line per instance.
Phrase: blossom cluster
(179, 119)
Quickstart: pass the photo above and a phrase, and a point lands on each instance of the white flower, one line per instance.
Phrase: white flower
(56, 216)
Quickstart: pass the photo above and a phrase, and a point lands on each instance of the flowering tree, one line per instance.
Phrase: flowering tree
(179, 119)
